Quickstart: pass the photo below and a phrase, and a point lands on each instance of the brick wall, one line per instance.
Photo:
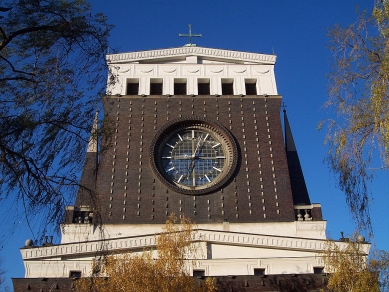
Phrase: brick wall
(259, 191)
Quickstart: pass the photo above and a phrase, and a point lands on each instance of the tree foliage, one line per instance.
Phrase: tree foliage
(165, 269)
(351, 270)
(358, 89)
(52, 76)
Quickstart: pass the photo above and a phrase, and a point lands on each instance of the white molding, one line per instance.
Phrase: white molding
(149, 241)
(192, 51)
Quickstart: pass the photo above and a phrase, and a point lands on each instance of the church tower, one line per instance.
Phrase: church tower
(196, 132)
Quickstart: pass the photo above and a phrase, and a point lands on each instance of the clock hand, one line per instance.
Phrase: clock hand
(197, 147)
(190, 166)
(202, 144)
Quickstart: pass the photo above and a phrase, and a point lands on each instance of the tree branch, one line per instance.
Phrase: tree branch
(28, 30)
(13, 68)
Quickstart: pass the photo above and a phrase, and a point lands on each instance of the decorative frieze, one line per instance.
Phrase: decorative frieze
(198, 51)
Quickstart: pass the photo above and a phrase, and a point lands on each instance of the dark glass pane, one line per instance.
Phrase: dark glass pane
(132, 88)
(318, 270)
(227, 89)
(156, 89)
(198, 273)
(251, 89)
(75, 274)
(259, 272)
(179, 88)
(203, 89)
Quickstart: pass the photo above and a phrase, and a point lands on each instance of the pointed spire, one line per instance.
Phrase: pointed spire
(89, 173)
(92, 144)
(289, 142)
(297, 181)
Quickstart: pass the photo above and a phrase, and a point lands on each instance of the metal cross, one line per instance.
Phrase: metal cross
(284, 106)
(190, 35)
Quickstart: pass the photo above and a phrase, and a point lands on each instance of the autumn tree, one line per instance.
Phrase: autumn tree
(358, 87)
(165, 269)
(52, 76)
(351, 270)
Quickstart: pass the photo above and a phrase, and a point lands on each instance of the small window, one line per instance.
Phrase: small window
(259, 272)
(75, 274)
(156, 86)
(132, 86)
(203, 86)
(180, 86)
(198, 273)
(318, 270)
(227, 87)
(251, 87)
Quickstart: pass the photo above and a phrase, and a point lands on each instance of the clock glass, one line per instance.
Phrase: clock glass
(193, 157)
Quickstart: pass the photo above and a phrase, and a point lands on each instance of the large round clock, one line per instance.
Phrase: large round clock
(193, 155)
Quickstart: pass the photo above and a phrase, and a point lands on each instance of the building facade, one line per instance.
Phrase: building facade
(196, 132)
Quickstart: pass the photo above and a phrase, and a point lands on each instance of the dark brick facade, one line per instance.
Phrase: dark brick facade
(42, 284)
(266, 283)
(271, 283)
(259, 191)
(127, 190)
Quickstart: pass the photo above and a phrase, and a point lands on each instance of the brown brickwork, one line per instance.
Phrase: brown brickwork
(271, 283)
(259, 191)
(42, 284)
(317, 213)
(266, 283)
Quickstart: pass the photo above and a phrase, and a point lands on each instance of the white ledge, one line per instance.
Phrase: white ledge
(185, 51)
(149, 241)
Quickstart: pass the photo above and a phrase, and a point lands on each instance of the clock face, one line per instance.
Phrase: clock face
(194, 156)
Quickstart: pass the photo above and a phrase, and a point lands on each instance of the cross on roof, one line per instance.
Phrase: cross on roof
(190, 35)
(284, 106)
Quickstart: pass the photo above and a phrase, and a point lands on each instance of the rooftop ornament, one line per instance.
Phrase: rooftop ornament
(190, 35)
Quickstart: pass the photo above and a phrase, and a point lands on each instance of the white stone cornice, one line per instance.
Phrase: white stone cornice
(187, 51)
(149, 241)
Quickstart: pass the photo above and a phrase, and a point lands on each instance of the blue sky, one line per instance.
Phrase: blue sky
(293, 30)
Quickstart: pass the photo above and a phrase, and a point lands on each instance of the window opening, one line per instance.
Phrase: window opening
(198, 273)
(75, 274)
(156, 86)
(180, 86)
(132, 86)
(227, 87)
(251, 86)
(318, 270)
(259, 272)
(203, 86)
